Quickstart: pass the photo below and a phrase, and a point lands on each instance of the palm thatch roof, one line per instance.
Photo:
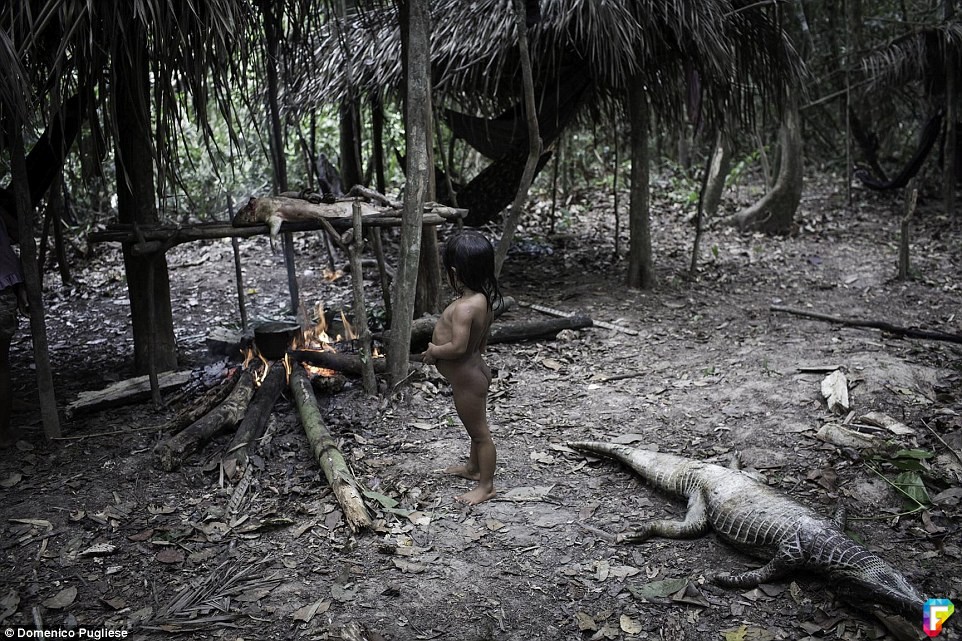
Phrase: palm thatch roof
(735, 47)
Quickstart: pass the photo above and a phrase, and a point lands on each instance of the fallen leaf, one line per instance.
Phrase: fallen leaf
(44, 523)
(100, 549)
(552, 364)
(170, 555)
(735, 634)
(519, 494)
(61, 599)
(493, 524)
(585, 622)
(115, 603)
(654, 589)
(9, 604)
(690, 595)
(143, 535)
(409, 567)
(307, 612)
(623, 571)
(343, 594)
(629, 625)
(419, 518)
(11, 480)
(255, 594)
(384, 500)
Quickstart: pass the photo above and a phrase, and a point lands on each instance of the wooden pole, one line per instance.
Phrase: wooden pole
(911, 198)
(374, 234)
(328, 456)
(535, 146)
(31, 275)
(238, 273)
(368, 379)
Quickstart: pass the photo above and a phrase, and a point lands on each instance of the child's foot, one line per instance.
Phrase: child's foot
(463, 471)
(475, 496)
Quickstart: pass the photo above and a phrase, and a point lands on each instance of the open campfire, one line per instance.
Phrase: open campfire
(246, 397)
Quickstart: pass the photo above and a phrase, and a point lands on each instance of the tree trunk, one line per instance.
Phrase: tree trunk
(135, 198)
(31, 274)
(717, 173)
(415, 21)
(534, 141)
(775, 212)
(950, 155)
(640, 264)
(349, 123)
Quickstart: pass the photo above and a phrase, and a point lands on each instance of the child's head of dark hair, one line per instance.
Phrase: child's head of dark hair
(469, 261)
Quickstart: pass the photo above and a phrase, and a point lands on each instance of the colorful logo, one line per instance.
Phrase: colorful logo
(936, 612)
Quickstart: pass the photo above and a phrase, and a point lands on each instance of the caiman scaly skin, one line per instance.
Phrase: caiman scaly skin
(759, 521)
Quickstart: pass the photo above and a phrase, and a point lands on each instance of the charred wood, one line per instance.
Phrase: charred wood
(170, 454)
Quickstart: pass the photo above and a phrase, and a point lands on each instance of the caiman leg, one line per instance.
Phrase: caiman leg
(841, 517)
(694, 525)
(782, 564)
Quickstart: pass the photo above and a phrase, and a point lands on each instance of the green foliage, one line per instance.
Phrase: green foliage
(908, 483)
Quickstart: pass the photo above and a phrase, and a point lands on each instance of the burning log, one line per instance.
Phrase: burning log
(347, 363)
(325, 451)
(170, 454)
(251, 428)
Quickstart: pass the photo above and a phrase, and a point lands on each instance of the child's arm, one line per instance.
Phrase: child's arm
(462, 319)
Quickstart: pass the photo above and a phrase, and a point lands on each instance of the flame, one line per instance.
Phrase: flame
(347, 327)
(313, 370)
(316, 337)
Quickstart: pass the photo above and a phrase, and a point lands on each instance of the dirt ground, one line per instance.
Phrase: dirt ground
(94, 536)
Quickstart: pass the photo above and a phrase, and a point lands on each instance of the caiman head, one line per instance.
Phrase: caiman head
(873, 577)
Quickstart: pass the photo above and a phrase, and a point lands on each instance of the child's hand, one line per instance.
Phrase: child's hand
(22, 303)
(426, 357)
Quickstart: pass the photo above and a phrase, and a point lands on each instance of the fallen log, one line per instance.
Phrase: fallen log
(131, 390)
(533, 330)
(337, 361)
(251, 428)
(325, 451)
(170, 454)
(885, 327)
(423, 328)
(501, 333)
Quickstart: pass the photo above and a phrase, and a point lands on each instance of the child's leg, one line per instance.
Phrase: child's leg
(470, 396)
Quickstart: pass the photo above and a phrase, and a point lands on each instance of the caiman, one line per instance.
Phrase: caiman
(761, 522)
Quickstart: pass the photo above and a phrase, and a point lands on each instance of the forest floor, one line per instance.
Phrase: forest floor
(93, 535)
